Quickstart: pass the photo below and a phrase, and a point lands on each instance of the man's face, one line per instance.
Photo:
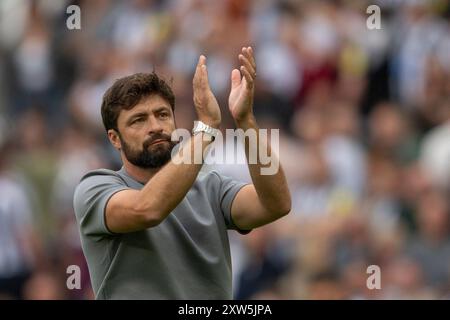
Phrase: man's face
(145, 132)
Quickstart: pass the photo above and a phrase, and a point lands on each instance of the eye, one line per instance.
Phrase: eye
(137, 120)
(163, 115)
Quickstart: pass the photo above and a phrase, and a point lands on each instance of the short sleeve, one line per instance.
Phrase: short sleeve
(228, 188)
(90, 199)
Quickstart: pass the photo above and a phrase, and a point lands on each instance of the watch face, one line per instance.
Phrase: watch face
(202, 126)
(199, 126)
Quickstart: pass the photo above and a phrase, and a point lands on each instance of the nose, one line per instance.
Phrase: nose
(154, 126)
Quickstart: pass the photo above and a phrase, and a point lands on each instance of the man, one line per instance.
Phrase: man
(157, 228)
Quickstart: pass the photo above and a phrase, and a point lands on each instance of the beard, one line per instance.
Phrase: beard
(151, 156)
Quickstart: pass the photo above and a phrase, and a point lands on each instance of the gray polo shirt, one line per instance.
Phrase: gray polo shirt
(187, 256)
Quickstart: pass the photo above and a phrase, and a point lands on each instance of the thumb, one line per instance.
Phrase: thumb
(235, 78)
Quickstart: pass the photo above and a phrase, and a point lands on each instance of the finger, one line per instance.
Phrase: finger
(197, 69)
(252, 57)
(202, 72)
(204, 76)
(235, 78)
(201, 61)
(247, 65)
(248, 77)
(248, 53)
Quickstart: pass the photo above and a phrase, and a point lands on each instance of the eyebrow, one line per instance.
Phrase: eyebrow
(162, 108)
(144, 114)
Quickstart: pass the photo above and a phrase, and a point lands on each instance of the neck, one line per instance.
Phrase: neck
(142, 175)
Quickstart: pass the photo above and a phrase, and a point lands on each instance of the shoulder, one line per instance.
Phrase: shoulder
(101, 175)
(217, 182)
(104, 173)
(210, 177)
(211, 181)
(97, 180)
(216, 176)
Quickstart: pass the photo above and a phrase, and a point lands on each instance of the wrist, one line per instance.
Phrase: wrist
(245, 122)
(205, 129)
(212, 123)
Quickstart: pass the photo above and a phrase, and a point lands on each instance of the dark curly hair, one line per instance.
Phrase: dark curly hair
(128, 91)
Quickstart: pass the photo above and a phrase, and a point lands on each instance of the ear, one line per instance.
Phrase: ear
(113, 137)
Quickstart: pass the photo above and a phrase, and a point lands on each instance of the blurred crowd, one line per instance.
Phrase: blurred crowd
(364, 119)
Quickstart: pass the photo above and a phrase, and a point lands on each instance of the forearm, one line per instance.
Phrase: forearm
(170, 185)
(167, 188)
(272, 189)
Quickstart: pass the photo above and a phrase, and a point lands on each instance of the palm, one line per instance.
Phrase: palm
(240, 100)
(205, 103)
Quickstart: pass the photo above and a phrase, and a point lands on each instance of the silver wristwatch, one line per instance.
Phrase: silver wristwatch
(203, 127)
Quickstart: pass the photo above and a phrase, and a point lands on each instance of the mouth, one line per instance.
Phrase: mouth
(158, 141)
